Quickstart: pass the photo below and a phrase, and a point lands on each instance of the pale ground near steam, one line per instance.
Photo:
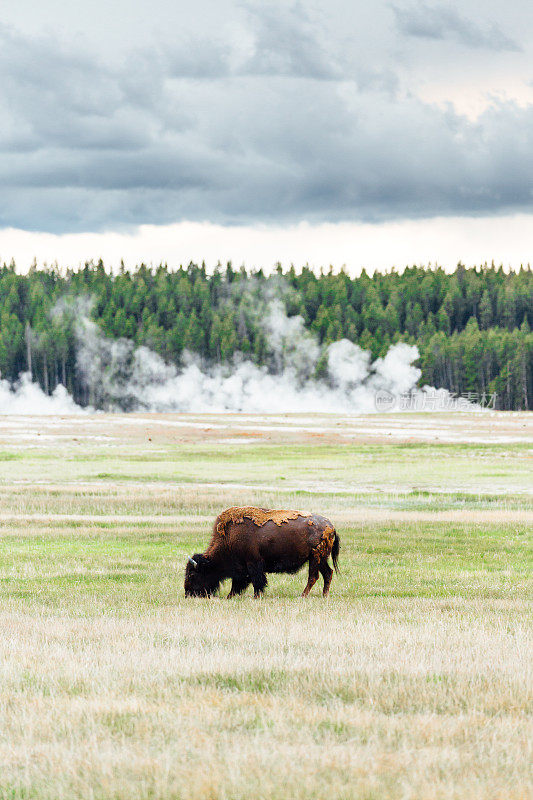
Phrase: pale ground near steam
(413, 681)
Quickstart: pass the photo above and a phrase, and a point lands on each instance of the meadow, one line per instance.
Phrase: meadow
(413, 680)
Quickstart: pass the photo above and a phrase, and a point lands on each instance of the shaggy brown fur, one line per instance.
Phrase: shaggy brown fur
(259, 515)
(249, 542)
(325, 546)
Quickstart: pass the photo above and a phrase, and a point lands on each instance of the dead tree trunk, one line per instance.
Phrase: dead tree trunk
(45, 371)
(28, 336)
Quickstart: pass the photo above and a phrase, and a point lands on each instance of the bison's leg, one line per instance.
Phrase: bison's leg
(256, 571)
(239, 585)
(327, 574)
(313, 576)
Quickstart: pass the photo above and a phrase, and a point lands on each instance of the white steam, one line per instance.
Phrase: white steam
(247, 387)
(291, 347)
(26, 397)
(118, 376)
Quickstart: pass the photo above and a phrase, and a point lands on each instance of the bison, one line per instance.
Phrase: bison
(248, 542)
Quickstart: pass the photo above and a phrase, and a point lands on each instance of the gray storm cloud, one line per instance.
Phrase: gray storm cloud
(273, 119)
(441, 21)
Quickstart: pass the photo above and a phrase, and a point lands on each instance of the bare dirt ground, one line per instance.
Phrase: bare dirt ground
(490, 427)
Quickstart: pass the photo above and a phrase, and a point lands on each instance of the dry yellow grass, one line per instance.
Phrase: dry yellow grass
(272, 699)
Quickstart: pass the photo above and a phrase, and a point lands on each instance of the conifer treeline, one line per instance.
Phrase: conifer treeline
(472, 327)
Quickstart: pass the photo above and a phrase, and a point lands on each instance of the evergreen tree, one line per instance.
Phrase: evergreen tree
(472, 327)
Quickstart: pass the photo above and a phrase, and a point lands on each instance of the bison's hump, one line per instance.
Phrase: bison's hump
(260, 516)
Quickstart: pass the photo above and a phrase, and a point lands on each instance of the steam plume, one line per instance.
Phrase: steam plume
(119, 376)
(26, 397)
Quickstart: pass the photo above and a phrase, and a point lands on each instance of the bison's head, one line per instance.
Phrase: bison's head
(200, 577)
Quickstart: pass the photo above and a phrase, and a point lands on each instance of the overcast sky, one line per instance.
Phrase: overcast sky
(377, 133)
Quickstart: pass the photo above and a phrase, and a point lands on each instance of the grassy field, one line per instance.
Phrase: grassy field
(414, 680)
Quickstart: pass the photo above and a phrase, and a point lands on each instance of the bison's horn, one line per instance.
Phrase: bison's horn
(193, 562)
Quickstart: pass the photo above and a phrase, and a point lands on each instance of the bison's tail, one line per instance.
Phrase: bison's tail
(335, 551)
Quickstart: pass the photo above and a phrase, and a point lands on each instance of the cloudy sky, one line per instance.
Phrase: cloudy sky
(350, 132)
